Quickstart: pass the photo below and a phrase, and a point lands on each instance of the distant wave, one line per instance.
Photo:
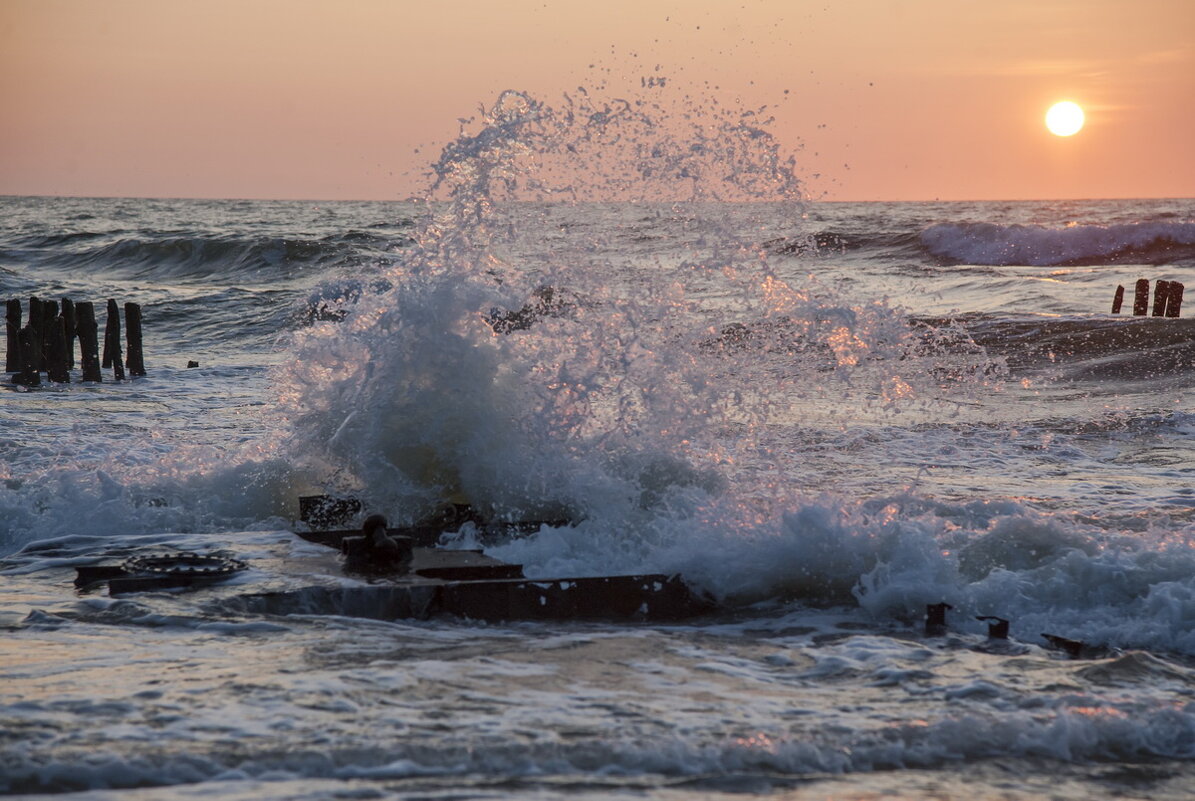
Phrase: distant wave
(200, 255)
(830, 242)
(1131, 243)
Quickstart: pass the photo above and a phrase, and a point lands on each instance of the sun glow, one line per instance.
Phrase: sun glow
(1065, 118)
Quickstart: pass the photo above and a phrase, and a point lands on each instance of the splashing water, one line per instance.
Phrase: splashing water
(528, 359)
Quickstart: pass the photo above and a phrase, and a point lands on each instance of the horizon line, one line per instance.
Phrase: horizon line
(417, 200)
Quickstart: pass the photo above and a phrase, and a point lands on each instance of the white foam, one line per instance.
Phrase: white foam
(1068, 733)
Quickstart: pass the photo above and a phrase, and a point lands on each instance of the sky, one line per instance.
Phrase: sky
(352, 99)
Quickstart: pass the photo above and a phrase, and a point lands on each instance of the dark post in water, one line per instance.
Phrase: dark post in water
(1174, 301)
(1161, 295)
(89, 346)
(56, 369)
(12, 359)
(132, 330)
(35, 325)
(935, 619)
(68, 318)
(112, 355)
(1141, 297)
(997, 626)
(1118, 299)
(49, 313)
(29, 376)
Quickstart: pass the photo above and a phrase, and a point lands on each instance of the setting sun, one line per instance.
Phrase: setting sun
(1065, 118)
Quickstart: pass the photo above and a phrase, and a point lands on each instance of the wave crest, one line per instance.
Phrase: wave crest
(999, 245)
(202, 255)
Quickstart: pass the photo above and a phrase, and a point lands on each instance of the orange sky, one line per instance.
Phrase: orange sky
(329, 99)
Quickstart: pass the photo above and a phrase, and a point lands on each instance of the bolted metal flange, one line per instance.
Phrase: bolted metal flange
(183, 563)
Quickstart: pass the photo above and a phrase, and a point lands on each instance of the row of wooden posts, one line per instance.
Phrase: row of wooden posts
(47, 342)
(1168, 298)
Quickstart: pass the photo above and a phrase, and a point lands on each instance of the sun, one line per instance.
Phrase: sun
(1065, 118)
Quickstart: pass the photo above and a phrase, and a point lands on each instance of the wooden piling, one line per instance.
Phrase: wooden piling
(56, 369)
(112, 355)
(28, 376)
(1161, 295)
(1118, 299)
(68, 319)
(49, 313)
(35, 326)
(132, 330)
(12, 325)
(106, 353)
(89, 346)
(1141, 297)
(49, 346)
(1174, 301)
(997, 626)
(935, 619)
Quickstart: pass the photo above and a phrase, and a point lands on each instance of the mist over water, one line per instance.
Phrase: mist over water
(620, 311)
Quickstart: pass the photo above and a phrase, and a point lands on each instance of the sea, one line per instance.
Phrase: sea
(823, 416)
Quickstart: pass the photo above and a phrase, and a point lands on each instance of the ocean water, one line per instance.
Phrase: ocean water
(825, 416)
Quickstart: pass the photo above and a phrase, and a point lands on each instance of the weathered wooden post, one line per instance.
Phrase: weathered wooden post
(49, 312)
(12, 325)
(29, 376)
(112, 355)
(1161, 294)
(1118, 299)
(35, 325)
(56, 369)
(997, 626)
(935, 619)
(68, 319)
(1141, 297)
(1174, 301)
(106, 353)
(132, 330)
(89, 346)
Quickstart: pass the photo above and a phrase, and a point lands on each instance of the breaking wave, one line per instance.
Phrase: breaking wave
(1130, 243)
(515, 360)
(198, 256)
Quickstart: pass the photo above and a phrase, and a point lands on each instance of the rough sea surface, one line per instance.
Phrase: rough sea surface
(824, 415)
